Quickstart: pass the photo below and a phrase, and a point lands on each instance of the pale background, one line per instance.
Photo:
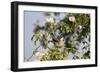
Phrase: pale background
(5, 36)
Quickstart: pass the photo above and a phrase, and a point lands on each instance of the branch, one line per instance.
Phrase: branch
(33, 53)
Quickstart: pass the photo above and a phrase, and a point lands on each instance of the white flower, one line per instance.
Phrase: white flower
(72, 19)
(79, 27)
(39, 55)
(51, 20)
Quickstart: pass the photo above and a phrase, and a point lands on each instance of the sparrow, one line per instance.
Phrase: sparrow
(59, 41)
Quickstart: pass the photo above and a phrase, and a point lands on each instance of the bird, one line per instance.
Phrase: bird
(59, 41)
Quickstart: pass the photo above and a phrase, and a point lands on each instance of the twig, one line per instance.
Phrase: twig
(33, 53)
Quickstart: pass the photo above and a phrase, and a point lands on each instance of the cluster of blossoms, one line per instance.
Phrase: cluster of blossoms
(50, 20)
(39, 55)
